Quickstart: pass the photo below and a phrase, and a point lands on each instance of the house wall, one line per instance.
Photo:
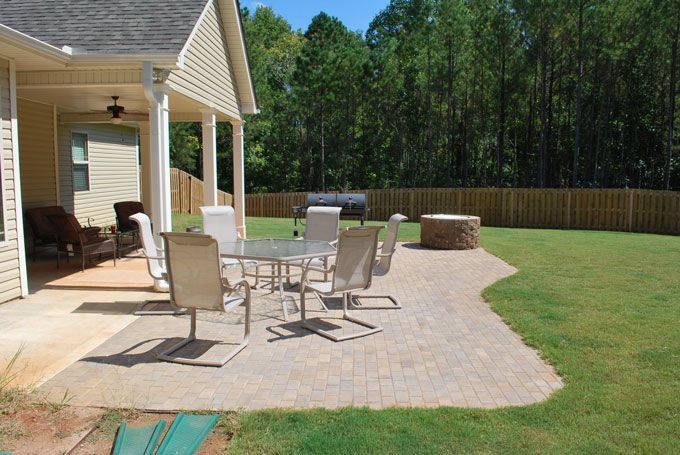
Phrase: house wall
(10, 268)
(36, 137)
(114, 176)
(207, 75)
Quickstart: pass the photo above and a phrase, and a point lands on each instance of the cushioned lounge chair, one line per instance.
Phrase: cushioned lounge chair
(72, 238)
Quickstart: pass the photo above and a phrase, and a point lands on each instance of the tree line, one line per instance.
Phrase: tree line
(460, 93)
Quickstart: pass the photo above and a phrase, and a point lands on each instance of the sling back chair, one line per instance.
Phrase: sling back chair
(382, 266)
(155, 263)
(196, 283)
(352, 271)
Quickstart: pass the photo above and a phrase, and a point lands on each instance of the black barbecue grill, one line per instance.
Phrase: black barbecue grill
(353, 205)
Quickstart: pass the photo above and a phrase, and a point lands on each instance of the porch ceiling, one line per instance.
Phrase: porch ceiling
(94, 99)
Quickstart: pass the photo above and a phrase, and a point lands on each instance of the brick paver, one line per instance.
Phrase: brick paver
(444, 348)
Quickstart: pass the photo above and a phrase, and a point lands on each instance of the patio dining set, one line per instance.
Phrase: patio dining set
(329, 261)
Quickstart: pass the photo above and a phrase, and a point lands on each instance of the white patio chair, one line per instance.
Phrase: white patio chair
(196, 283)
(322, 224)
(382, 266)
(155, 262)
(219, 222)
(352, 271)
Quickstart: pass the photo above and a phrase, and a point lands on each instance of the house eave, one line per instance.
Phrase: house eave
(28, 43)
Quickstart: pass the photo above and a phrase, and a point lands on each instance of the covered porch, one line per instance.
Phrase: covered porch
(151, 104)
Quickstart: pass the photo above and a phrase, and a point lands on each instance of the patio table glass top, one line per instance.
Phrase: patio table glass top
(276, 250)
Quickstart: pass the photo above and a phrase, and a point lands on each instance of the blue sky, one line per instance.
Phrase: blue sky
(355, 14)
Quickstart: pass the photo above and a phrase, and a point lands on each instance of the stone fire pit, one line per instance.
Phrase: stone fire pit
(450, 232)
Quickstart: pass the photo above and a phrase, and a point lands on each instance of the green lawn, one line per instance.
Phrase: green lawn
(603, 308)
(263, 228)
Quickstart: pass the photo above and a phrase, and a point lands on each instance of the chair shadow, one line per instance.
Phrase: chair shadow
(195, 350)
(95, 287)
(108, 308)
(414, 246)
(297, 331)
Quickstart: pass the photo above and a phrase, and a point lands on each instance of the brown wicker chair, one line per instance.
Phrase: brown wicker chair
(42, 230)
(83, 241)
(124, 210)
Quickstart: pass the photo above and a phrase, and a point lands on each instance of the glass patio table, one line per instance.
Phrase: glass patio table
(277, 252)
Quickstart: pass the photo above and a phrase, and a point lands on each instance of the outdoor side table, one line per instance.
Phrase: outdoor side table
(126, 241)
(278, 251)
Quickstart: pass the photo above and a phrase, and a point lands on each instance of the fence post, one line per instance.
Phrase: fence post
(512, 207)
(629, 215)
(569, 209)
(412, 205)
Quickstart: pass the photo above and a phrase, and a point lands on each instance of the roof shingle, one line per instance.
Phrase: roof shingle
(106, 26)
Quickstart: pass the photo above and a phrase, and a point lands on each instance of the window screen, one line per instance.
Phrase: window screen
(81, 164)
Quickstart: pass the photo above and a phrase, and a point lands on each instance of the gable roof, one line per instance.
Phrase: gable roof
(106, 26)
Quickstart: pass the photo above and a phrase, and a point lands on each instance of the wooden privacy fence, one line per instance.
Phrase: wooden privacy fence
(187, 193)
(606, 209)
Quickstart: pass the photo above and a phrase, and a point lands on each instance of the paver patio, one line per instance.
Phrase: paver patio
(445, 347)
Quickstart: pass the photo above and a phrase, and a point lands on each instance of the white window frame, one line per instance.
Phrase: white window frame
(88, 162)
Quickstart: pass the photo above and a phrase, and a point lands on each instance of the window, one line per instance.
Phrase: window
(81, 162)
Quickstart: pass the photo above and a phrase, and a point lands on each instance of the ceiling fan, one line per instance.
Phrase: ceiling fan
(116, 110)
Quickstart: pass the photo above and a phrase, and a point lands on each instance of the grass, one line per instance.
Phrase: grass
(602, 307)
(263, 228)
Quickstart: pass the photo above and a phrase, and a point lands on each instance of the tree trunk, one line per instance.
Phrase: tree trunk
(579, 98)
(671, 107)
(500, 142)
(323, 152)
(450, 121)
(544, 111)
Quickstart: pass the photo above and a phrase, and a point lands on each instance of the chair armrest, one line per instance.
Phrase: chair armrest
(308, 268)
(229, 288)
(92, 230)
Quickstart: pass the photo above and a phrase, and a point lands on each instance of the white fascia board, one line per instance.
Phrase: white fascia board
(244, 50)
(29, 43)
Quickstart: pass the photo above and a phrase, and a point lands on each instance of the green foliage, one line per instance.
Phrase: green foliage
(185, 147)
(524, 93)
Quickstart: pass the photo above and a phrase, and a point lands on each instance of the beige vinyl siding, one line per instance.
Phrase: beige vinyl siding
(112, 153)
(36, 140)
(10, 285)
(207, 75)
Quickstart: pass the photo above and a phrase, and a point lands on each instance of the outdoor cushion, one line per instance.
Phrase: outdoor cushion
(38, 220)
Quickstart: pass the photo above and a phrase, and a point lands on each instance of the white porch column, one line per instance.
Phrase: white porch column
(209, 127)
(159, 141)
(145, 162)
(239, 180)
